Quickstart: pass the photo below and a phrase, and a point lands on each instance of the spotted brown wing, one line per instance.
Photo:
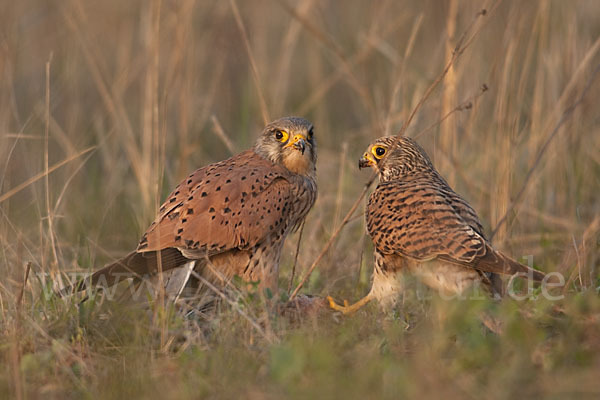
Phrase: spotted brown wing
(235, 203)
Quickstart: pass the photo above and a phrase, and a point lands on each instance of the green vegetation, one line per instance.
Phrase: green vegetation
(156, 89)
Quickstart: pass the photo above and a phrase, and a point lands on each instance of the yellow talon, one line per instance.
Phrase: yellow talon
(346, 308)
(333, 304)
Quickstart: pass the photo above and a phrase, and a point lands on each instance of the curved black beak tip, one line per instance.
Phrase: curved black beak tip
(363, 163)
(300, 145)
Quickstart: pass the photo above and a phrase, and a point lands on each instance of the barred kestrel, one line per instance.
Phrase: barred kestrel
(419, 224)
(229, 218)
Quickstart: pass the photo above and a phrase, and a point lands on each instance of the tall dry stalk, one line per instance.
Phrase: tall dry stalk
(448, 135)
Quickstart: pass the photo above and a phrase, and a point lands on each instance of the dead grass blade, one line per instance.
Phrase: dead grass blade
(296, 257)
(255, 75)
(22, 290)
(49, 213)
(221, 134)
(577, 272)
(235, 306)
(41, 175)
(283, 77)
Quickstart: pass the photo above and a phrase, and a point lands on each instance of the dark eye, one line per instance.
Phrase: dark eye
(281, 135)
(379, 151)
(310, 133)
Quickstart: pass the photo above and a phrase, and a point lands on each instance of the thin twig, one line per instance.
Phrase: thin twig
(458, 51)
(465, 105)
(578, 261)
(255, 75)
(228, 283)
(296, 257)
(340, 193)
(42, 174)
(233, 304)
(591, 230)
(49, 213)
(463, 43)
(67, 182)
(22, 290)
(361, 249)
(400, 72)
(332, 238)
(221, 134)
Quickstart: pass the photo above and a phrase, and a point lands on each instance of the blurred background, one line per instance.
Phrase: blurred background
(132, 96)
(106, 105)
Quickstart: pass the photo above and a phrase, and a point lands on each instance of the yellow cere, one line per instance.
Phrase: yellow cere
(295, 139)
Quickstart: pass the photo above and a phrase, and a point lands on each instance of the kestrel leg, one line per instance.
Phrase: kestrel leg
(387, 287)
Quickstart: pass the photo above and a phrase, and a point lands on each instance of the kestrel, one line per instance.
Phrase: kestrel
(231, 217)
(419, 224)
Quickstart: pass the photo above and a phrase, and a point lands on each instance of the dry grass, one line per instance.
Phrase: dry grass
(105, 106)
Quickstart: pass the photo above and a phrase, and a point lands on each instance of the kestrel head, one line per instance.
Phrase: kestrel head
(395, 157)
(289, 141)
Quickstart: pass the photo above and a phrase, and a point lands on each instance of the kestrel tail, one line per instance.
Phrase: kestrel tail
(419, 224)
(228, 218)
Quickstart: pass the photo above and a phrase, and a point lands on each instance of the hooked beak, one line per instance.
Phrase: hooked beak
(298, 142)
(366, 161)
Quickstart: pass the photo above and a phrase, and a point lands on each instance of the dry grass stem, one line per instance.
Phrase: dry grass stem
(289, 289)
(563, 119)
(41, 175)
(255, 75)
(218, 129)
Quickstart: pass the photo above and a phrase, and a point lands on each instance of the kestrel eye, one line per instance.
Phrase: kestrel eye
(310, 134)
(379, 151)
(282, 136)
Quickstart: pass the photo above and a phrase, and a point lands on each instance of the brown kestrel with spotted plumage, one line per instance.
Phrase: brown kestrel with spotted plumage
(228, 218)
(419, 224)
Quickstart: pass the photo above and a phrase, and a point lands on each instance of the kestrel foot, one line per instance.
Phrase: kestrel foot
(346, 308)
